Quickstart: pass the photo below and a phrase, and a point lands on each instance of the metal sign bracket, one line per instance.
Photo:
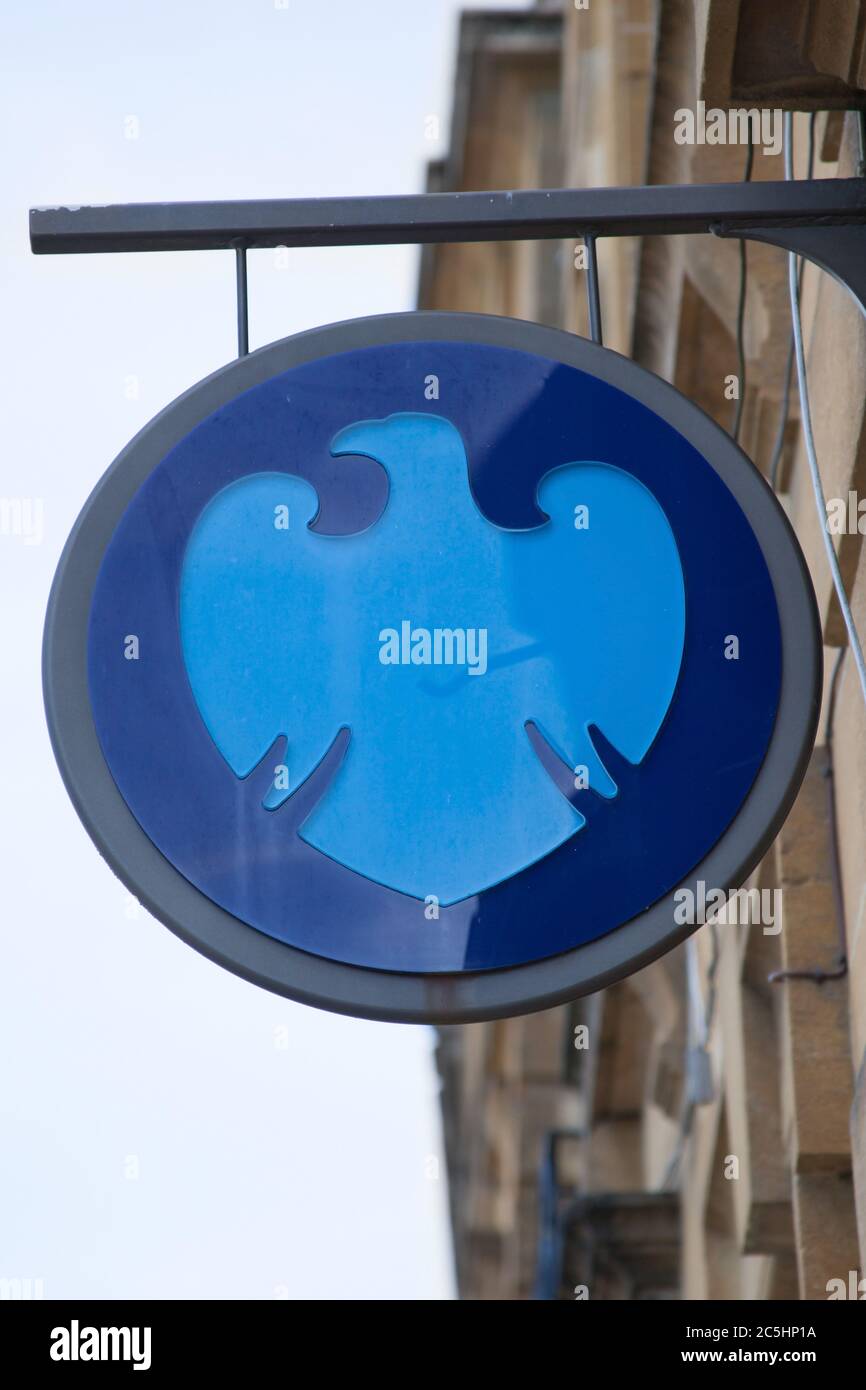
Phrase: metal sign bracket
(823, 220)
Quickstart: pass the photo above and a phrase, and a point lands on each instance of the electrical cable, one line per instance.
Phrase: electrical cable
(809, 437)
(785, 405)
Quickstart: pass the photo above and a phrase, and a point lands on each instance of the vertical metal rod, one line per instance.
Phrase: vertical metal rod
(592, 292)
(243, 308)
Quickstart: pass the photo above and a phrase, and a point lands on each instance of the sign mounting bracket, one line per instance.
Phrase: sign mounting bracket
(467, 975)
(823, 220)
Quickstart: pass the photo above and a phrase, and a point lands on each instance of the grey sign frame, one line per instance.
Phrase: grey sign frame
(390, 995)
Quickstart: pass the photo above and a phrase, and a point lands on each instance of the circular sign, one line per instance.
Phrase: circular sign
(412, 666)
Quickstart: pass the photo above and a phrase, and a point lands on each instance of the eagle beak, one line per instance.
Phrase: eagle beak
(350, 440)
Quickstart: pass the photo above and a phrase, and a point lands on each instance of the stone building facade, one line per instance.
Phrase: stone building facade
(710, 1140)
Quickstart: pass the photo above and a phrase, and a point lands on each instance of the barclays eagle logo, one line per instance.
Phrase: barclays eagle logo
(291, 635)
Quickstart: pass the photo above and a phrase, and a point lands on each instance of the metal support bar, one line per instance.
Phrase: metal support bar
(821, 219)
(243, 303)
(435, 217)
(592, 291)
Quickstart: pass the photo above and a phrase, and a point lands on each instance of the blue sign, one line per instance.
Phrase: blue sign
(431, 654)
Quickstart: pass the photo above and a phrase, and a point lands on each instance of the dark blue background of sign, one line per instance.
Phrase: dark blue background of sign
(519, 415)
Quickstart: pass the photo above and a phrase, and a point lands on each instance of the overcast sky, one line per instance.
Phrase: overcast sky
(166, 1129)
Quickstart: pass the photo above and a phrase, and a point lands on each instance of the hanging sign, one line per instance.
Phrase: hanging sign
(418, 666)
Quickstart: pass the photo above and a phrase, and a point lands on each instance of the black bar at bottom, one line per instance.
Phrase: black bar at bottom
(171, 1338)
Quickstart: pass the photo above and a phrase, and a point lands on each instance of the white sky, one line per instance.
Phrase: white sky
(301, 1170)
